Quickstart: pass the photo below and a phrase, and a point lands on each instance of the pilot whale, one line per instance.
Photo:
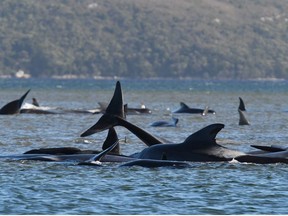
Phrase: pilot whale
(199, 147)
(184, 108)
(265, 155)
(149, 163)
(13, 107)
(96, 161)
(162, 123)
(74, 154)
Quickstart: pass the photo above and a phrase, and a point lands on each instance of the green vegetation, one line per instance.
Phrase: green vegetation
(232, 39)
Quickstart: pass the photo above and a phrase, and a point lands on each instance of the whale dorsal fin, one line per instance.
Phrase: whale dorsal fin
(13, 107)
(110, 140)
(241, 105)
(183, 105)
(242, 118)
(204, 137)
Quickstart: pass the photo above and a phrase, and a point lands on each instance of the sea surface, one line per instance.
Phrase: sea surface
(37, 187)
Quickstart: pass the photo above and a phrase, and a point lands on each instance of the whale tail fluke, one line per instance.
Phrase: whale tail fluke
(114, 110)
(13, 107)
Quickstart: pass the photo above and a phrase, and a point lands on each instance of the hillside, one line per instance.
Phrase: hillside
(223, 39)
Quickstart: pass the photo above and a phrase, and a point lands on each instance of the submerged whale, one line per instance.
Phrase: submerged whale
(265, 155)
(186, 109)
(13, 107)
(28, 108)
(172, 123)
(149, 163)
(128, 110)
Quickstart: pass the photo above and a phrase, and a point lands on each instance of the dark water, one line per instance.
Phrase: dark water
(33, 187)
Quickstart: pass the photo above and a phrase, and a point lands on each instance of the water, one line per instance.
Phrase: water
(33, 187)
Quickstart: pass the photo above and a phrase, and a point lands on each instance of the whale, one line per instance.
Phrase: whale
(109, 141)
(75, 154)
(28, 108)
(264, 158)
(75, 158)
(200, 146)
(265, 155)
(184, 108)
(149, 163)
(96, 160)
(162, 123)
(272, 148)
(128, 110)
(13, 107)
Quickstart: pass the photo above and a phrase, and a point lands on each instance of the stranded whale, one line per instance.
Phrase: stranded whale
(186, 109)
(13, 107)
(199, 147)
(162, 123)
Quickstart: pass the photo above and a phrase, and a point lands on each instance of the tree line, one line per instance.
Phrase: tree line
(217, 39)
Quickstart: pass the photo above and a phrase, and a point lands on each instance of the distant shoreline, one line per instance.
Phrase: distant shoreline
(72, 77)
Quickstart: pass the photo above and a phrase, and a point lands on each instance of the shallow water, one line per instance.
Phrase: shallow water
(34, 187)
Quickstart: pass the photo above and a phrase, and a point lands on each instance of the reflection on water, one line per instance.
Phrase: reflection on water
(32, 187)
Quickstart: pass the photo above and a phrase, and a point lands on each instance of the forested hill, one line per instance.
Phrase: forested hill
(237, 39)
